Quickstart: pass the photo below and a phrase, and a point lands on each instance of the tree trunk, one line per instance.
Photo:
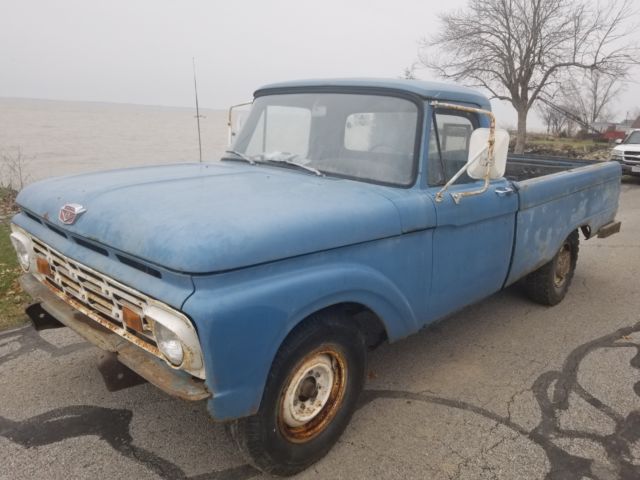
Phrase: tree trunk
(521, 137)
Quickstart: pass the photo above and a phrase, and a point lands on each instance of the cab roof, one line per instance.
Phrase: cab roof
(427, 90)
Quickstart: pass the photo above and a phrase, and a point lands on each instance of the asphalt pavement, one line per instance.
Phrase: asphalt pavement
(505, 389)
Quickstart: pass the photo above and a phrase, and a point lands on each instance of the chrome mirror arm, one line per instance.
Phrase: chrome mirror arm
(490, 153)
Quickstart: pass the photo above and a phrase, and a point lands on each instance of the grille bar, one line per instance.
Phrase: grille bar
(632, 157)
(99, 297)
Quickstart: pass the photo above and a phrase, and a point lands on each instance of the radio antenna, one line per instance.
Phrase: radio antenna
(195, 87)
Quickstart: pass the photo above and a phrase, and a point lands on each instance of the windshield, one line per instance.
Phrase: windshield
(365, 137)
(634, 138)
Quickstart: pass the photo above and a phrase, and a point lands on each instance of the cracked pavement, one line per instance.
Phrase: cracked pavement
(505, 389)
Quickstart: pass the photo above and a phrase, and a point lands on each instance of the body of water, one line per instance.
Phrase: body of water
(61, 138)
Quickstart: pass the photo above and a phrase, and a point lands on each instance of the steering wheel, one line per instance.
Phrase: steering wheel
(377, 146)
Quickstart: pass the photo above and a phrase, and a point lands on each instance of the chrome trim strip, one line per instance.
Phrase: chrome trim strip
(96, 295)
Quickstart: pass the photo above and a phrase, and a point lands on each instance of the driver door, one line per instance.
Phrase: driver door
(473, 240)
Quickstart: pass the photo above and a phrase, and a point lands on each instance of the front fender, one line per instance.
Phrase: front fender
(243, 317)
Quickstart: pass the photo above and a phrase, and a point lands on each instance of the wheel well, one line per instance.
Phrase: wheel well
(586, 231)
(369, 323)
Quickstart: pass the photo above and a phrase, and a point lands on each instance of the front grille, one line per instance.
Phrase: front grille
(632, 157)
(99, 297)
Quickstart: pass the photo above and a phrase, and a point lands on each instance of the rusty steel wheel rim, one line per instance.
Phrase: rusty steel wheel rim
(563, 265)
(312, 395)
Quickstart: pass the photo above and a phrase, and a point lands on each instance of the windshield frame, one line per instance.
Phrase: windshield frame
(417, 100)
(627, 140)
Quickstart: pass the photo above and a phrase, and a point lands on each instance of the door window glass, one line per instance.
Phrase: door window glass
(449, 146)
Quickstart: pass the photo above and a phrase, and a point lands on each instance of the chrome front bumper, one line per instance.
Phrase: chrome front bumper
(174, 382)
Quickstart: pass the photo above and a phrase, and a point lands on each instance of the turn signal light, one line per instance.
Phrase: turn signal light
(132, 319)
(43, 267)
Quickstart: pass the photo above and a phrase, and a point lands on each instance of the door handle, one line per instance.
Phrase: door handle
(504, 191)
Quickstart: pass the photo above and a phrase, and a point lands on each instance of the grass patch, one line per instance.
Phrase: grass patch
(12, 300)
(584, 149)
(566, 142)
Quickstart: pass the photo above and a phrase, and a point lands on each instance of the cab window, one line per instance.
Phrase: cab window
(449, 145)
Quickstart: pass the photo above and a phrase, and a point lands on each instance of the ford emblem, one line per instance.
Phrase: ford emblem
(70, 212)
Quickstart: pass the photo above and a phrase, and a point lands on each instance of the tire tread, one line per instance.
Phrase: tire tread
(539, 284)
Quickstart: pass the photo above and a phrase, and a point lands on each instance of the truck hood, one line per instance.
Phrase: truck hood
(201, 218)
(627, 147)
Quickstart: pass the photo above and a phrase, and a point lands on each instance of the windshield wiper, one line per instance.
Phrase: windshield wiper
(289, 161)
(240, 155)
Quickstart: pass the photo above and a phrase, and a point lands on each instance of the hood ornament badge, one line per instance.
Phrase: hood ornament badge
(70, 212)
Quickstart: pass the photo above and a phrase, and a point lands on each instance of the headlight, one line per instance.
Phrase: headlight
(617, 155)
(169, 344)
(22, 244)
(177, 339)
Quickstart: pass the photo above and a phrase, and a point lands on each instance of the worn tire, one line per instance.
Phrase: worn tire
(265, 439)
(549, 284)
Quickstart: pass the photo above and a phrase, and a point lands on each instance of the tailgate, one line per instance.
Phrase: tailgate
(552, 206)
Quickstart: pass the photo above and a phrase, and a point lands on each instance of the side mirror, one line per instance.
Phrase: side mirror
(618, 141)
(235, 122)
(479, 153)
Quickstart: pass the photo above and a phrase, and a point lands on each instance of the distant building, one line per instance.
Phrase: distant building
(604, 126)
(625, 126)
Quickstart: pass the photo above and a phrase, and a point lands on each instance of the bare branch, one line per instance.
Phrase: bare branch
(518, 49)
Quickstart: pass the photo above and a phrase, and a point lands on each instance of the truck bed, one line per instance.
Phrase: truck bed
(525, 167)
(557, 196)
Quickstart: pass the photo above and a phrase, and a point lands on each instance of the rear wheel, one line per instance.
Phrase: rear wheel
(549, 284)
(310, 396)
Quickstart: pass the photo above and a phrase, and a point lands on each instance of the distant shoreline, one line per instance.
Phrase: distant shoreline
(108, 103)
(66, 137)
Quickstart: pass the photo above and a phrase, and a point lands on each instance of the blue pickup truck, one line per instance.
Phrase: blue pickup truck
(348, 213)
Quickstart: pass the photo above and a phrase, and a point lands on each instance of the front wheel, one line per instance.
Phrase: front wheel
(549, 284)
(310, 396)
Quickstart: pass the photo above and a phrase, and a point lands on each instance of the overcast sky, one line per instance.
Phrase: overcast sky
(139, 51)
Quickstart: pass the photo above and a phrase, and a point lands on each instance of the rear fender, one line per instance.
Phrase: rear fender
(553, 206)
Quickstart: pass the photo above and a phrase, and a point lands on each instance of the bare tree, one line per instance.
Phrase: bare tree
(553, 118)
(516, 49)
(409, 73)
(13, 170)
(13, 177)
(634, 115)
(591, 95)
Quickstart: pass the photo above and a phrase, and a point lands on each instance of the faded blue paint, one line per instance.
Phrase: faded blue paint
(552, 206)
(247, 252)
(217, 216)
(244, 315)
(428, 90)
(173, 288)
(471, 247)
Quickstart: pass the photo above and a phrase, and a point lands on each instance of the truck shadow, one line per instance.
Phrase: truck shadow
(27, 340)
(630, 181)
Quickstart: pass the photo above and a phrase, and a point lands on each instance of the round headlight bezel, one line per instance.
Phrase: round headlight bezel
(23, 247)
(168, 324)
